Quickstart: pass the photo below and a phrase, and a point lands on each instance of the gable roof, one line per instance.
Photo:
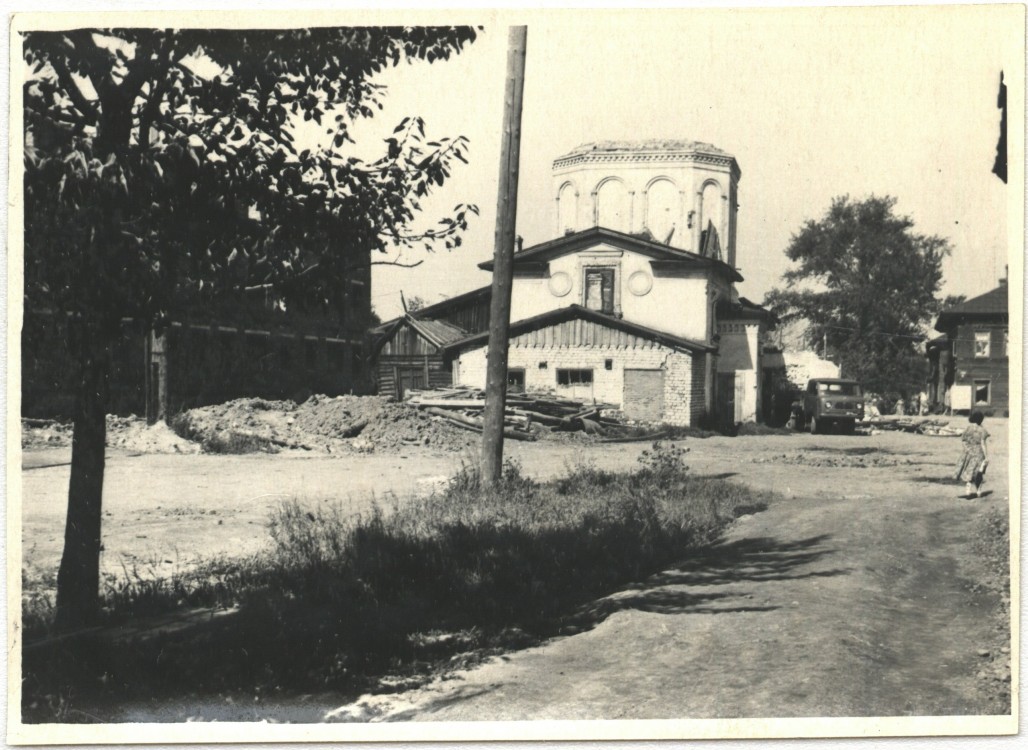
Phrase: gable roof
(436, 332)
(572, 312)
(993, 305)
(570, 243)
(439, 308)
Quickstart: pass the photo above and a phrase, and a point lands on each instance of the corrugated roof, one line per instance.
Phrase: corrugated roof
(438, 332)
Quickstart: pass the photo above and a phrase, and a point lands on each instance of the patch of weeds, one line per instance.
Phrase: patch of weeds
(357, 602)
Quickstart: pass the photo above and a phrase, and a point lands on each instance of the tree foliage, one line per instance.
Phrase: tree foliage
(160, 164)
(868, 284)
(162, 170)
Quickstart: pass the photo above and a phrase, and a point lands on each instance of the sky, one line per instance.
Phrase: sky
(813, 103)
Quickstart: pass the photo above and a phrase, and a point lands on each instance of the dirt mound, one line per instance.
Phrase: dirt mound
(340, 424)
(128, 433)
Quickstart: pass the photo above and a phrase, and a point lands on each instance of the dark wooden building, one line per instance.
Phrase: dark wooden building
(411, 355)
(409, 351)
(969, 366)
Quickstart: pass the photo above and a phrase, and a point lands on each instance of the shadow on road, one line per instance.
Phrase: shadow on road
(754, 560)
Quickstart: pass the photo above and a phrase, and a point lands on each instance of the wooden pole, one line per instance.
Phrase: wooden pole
(503, 260)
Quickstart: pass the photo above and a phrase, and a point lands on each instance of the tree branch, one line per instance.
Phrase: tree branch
(78, 98)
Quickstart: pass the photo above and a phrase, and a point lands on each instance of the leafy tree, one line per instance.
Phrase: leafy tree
(869, 285)
(161, 170)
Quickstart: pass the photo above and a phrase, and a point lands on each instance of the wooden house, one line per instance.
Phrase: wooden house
(969, 366)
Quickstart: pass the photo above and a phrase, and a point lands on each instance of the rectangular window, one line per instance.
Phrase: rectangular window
(981, 392)
(981, 343)
(516, 380)
(574, 377)
(599, 289)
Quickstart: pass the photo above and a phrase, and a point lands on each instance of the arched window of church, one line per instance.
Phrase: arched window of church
(711, 206)
(612, 206)
(568, 206)
(662, 201)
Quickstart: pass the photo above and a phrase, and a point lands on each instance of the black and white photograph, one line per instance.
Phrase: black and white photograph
(481, 374)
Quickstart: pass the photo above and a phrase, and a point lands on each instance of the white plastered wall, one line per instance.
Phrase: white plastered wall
(678, 306)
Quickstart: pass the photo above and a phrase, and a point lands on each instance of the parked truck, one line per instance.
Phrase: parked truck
(827, 403)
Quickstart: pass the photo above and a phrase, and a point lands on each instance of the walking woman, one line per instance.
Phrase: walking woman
(974, 459)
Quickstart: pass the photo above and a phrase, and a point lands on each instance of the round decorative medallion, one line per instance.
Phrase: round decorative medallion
(560, 283)
(640, 283)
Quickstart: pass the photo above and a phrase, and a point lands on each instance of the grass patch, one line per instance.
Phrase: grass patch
(341, 602)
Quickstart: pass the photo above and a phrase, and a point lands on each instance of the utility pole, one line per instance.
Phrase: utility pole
(503, 260)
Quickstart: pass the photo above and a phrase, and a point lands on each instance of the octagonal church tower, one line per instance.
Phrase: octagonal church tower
(673, 191)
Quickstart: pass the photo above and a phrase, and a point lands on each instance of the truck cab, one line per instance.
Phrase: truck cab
(829, 402)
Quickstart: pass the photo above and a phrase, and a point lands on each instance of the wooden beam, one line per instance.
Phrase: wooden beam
(503, 260)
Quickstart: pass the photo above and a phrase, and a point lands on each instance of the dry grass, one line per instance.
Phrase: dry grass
(341, 601)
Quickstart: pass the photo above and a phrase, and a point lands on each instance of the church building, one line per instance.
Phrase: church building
(633, 303)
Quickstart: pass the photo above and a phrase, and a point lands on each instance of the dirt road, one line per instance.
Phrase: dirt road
(851, 596)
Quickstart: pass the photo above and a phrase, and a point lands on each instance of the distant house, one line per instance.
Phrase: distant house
(607, 312)
(969, 365)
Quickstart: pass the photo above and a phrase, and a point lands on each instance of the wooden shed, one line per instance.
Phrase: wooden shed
(410, 355)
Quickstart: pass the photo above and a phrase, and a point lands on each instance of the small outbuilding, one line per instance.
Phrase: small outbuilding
(411, 355)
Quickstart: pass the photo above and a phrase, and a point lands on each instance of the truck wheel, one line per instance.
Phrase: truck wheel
(848, 428)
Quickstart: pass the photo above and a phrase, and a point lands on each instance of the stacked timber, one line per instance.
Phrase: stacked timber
(526, 414)
(920, 425)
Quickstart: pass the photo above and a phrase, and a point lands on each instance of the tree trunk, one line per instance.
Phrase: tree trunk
(78, 579)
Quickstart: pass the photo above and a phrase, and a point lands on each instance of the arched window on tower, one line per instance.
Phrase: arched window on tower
(612, 210)
(568, 209)
(662, 209)
(711, 206)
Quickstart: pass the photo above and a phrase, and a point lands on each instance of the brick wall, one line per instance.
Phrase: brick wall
(683, 374)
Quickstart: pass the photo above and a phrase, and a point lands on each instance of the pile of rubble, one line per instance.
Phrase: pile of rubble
(920, 425)
(131, 434)
(324, 424)
(447, 420)
(837, 461)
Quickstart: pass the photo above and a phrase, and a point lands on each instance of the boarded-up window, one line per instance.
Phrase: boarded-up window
(599, 289)
(644, 395)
